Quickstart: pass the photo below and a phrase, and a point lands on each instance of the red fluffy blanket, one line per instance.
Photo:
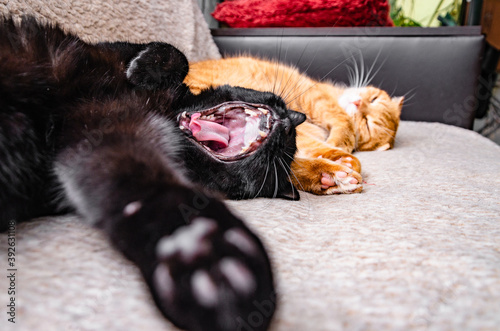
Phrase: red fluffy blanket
(303, 13)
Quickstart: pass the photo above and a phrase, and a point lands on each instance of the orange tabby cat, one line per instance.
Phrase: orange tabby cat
(340, 119)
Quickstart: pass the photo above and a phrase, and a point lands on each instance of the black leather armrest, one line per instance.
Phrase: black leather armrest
(436, 68)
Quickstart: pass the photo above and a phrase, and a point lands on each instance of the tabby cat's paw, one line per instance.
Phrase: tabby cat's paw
(323, 176)
(157, 66)
(213, 277)
(341, 181)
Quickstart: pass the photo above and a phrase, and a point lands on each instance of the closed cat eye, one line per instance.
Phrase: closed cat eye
(373, 100)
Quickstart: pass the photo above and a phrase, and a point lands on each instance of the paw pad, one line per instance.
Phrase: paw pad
(132, 208)
(238, 276)
(164, 282)
(189, 242)
(239, 239)
(341, 182)
(215, 271)
(204, 289)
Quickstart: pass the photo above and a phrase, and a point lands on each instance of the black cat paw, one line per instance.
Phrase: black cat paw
(210, 277)
(206, 270)
(158, 66)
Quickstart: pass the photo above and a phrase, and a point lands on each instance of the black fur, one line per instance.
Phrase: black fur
(94, 128)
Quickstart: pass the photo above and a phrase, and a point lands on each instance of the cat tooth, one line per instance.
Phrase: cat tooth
(184, 114)
(263, 110)
(244, 149)
(251, 113)
(182, 127)
(263, 134)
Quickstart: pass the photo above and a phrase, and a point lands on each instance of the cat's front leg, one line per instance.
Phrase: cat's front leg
(205, 268)
(323, 169)
(310, 144)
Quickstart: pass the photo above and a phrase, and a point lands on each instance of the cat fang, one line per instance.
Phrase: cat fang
(229, 131)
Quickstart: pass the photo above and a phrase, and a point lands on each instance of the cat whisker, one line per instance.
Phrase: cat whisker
(287, 172)
(276, 176)
(289, 90)
(292, 158)
(283, 90)
(269, 84)
(320, 80)
(302, 77)
(351, 76)
(263, 182)
(291, 172)
(361, 71)
(369, 79)
(409, 96)
(409, 104)
(280, 89)
(358, 78)
(393, 91)
(357, 70)
(279, 59)
(286, 93)
(290, 94)
(313, 58)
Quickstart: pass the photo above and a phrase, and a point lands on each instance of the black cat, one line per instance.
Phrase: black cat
(111, 131)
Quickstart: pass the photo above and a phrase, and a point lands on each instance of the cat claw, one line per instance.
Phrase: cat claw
(209, 278)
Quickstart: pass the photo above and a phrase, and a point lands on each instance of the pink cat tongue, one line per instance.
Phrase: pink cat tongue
(204, 130)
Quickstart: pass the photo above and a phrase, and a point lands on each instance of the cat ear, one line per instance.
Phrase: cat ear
(289, 193)
(296, 117)
(399, 101)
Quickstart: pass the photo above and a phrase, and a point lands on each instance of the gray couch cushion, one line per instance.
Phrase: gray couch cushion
(417, 249)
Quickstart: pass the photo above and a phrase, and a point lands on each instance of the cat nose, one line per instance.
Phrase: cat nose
(357, 102)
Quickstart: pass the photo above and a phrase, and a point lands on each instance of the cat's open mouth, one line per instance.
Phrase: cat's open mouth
(231, 130)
